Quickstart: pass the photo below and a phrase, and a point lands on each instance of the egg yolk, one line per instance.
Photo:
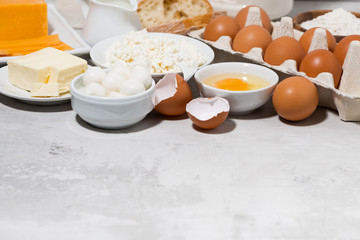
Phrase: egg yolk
(233, 84)
(236, 81)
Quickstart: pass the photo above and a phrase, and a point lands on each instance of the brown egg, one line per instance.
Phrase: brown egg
(307, 37)
(282, 49)
(250, 37)
(343, 46)
(221, 26)
(295, 98)
(208, 113)
(171, 95)
(241, 17)
(319, 61)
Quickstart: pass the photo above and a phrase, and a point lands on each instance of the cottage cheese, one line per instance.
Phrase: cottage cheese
(338, 22)
(159, 53)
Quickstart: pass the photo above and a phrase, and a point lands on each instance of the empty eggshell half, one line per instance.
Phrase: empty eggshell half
(171, 95)
(208, 113)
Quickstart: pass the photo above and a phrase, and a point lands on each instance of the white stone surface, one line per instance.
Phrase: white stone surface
(255, 177)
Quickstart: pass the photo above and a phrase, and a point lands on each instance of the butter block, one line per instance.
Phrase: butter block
(23, 19)
(45, 90)
(33, 72)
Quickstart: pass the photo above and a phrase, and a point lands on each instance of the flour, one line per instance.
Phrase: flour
(338, 22)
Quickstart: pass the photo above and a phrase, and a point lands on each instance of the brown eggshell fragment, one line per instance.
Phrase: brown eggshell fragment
(295, 98)
(251, 36)
(221, 26)
(307, 37)
(319, 61)
(343, 46)
(282, 49)
(208, 113)
(242, 15)
(171, 95)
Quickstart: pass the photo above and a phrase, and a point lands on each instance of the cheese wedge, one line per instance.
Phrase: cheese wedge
(23, 19)
(44, 71)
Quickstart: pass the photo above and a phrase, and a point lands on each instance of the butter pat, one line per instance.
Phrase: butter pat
(44, 71)
(45, 90)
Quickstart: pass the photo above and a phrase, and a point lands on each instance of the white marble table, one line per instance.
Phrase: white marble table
(256, 177)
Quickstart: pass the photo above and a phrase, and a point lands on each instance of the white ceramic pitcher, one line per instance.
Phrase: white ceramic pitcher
(107, 18)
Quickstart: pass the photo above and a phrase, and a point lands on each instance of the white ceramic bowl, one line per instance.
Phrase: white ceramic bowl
(110, 113)
(241, 102)
(98, 52)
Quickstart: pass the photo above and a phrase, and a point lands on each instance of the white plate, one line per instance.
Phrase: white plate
(12, 91)
(98, 52)
(58, 25)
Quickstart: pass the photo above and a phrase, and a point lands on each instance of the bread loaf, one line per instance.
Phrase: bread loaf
(174, 16)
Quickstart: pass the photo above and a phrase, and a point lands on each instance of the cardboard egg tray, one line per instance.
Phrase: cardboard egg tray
(346, 99)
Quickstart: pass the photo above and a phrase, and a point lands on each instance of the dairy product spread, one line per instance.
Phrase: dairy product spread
(45, 90)
(159, 53)
(23, 19)
(45, 73)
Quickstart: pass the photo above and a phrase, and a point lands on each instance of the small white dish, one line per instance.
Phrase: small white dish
(7, 89)
(98, 52)
(58, 25)
(107, 112)
(241, 102)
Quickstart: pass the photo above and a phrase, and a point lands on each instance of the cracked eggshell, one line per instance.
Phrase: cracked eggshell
(208, 113)
(171, 95)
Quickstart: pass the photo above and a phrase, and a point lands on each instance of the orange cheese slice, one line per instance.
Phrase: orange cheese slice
(28, 45)
(23, 19)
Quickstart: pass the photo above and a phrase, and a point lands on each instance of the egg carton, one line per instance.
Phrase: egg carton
(346, 99)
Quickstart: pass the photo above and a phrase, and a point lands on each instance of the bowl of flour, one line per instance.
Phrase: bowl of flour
(339, 22)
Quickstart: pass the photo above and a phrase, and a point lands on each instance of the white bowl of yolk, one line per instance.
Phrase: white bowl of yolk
(246, 86)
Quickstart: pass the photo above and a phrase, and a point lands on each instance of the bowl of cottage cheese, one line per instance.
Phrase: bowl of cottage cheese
(161, 53)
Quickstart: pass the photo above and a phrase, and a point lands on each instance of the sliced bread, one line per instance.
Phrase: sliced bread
(174, 15)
